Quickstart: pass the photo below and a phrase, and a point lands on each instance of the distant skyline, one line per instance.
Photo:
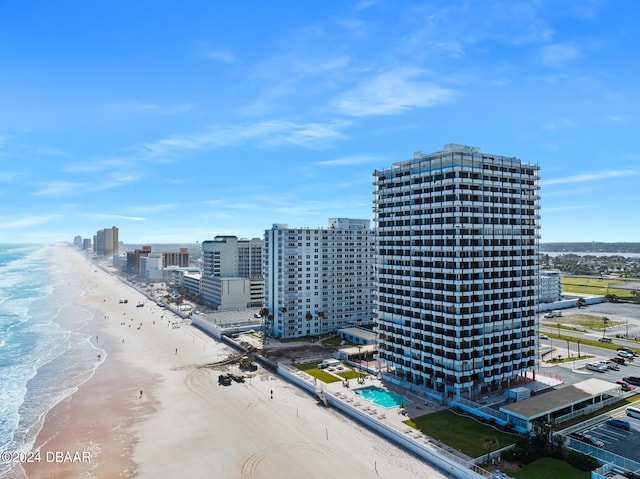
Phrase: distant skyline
(179, 122)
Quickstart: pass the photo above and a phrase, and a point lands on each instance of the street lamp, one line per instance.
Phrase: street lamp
(579, 348)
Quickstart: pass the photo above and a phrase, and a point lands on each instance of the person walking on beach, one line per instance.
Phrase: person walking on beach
(176, 350)
(141, 394)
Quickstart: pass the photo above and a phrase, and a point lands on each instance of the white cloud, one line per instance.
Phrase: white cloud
(558, 54)
(115, 217)
(61, 188)
(273, 132)
(558, 124)
(392, 92)
(4, 139)
(27, 221)
(134, 106)
(596, 176)
(10, 176)
(349, 160)
(221, 55)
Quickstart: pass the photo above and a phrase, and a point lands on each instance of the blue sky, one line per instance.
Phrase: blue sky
(179, 121)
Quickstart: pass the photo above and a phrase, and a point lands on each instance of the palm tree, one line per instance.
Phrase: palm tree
(264, 313)
(489, 443)
(605, 321)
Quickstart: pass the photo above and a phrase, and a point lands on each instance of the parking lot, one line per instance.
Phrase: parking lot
(616, 440)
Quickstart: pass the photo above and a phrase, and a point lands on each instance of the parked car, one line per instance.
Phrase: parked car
(604, 340)
(629, 351)
(611, 365)
(589, 439)
(626, 355)
(635, 380)
(619, 360)
(619, 423)
(543, 336)
(597, 367)
(625, 386)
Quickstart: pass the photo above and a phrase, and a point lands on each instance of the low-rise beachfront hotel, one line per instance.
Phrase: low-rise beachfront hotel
(457, 236)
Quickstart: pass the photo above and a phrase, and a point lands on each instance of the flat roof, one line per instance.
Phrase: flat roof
(360, 332)
(352, 350)
(548, 402)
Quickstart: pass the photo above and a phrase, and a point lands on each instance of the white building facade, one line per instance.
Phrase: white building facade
(230, 257)
(457, 235)
(550, 286)
(319, 280)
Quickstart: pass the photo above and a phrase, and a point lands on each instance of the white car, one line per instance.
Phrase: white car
(626, 355)
(597, 367)
(543, 336)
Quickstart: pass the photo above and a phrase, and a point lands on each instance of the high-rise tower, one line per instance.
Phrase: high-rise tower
(457, 241)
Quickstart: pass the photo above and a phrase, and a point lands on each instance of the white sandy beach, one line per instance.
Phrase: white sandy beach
(185, 424)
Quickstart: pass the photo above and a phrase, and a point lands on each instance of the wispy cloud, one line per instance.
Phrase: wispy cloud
(27, 221)
(221, 55)
(558, 54)
(61, 188)
(136, 106)
(349, 160)
(11, 176)
(4, 139)
(392, 92)
(274, 132)
(558, 124)
(596, 176)
(555, 209)
(115, 217)
(115, 181)
(155, 208)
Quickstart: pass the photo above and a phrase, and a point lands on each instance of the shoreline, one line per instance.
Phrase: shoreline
(186, 425)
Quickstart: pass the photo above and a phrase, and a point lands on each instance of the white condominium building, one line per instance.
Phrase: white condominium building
(229, 257)
(550, 286)
(457, 236)
(319, 280)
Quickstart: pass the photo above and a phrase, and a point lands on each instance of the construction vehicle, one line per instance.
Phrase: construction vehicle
(236, 378)
(247, 365)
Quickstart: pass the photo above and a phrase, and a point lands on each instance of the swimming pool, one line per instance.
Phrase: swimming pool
(381, 396)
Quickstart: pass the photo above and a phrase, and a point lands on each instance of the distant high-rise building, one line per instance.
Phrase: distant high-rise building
(176, 258)
(319, 280)
(77, 241)
(457, 242)
(86, 244)
(133, 259)
(106, 242)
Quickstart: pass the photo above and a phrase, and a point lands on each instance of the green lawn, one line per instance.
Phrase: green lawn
(460, 432)
(594, 285)
(312, 369)
(351, 374)
(590, 321)
(549, 469)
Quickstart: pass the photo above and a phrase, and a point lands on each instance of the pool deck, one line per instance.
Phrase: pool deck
(392, 416)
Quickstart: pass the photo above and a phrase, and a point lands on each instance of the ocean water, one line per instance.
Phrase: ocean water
(45, 354)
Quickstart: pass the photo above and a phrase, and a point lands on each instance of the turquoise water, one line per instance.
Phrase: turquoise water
(381, 396)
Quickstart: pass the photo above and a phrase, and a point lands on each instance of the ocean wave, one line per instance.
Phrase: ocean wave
(44, 353)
